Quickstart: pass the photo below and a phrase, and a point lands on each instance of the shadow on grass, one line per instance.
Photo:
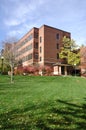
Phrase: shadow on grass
(59, 115)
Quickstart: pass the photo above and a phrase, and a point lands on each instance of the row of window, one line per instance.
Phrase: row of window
(36, 36)
(29, 57)
(27, 48)
(30, 38)
(26, 58)
(25, 41)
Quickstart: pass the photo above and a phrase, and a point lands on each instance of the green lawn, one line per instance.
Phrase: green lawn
(42, 103)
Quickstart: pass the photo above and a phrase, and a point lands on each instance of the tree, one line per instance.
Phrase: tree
(70, 52)
(9, 55)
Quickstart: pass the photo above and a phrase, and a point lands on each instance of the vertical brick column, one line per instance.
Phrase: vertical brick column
(59, 70)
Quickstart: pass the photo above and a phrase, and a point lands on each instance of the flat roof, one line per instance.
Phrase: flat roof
(54, 28)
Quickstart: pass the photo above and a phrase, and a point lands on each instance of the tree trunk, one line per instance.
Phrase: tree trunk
(11, 74)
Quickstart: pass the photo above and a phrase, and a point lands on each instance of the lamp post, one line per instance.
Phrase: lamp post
(75, 68)
(2, 58)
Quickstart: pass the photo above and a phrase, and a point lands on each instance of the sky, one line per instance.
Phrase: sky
(17, 17)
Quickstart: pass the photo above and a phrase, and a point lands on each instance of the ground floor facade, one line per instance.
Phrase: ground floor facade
(62, 69)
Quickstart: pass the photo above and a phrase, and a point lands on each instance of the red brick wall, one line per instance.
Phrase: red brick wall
(83, 59)
(50, 43)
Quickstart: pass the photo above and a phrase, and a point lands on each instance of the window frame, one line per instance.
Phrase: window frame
(57, 36)
(40, 58)
(57, 55)
(40, 49)
(40, 39)
(57, 46)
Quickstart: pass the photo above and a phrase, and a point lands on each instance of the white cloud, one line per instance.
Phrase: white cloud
(21, 12)
(20, 31)
(12, 33)
(11, 22)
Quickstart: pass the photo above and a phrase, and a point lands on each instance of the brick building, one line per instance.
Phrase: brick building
(40, 46)
(83, 60)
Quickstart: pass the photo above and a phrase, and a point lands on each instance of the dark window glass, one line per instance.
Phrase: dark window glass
(40, 58)
(67, 37)
(29, 37)
(57, 36)
(36, 45)
(40, 49)
(35, 35)
(36, 55)
(40, 39)
(57, 55)
(29, 47)
(30, 56)
(57, 46)
(26, 58)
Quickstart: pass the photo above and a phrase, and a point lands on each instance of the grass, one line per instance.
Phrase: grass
(42, 103)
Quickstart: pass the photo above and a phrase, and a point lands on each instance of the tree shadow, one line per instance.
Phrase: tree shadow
(74, 116)
(58, 115)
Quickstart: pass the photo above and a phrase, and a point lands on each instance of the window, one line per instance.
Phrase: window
(40, 39)
(57, 55)
(57, 36)
(35, 35)
(67, 37)
(36, 45)
(30, 46)
(40, 58)
(57, 46)
(29, 37)
(36, 55)
(30, 56)
(26, 40)
(24, 59)
(40, 49)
